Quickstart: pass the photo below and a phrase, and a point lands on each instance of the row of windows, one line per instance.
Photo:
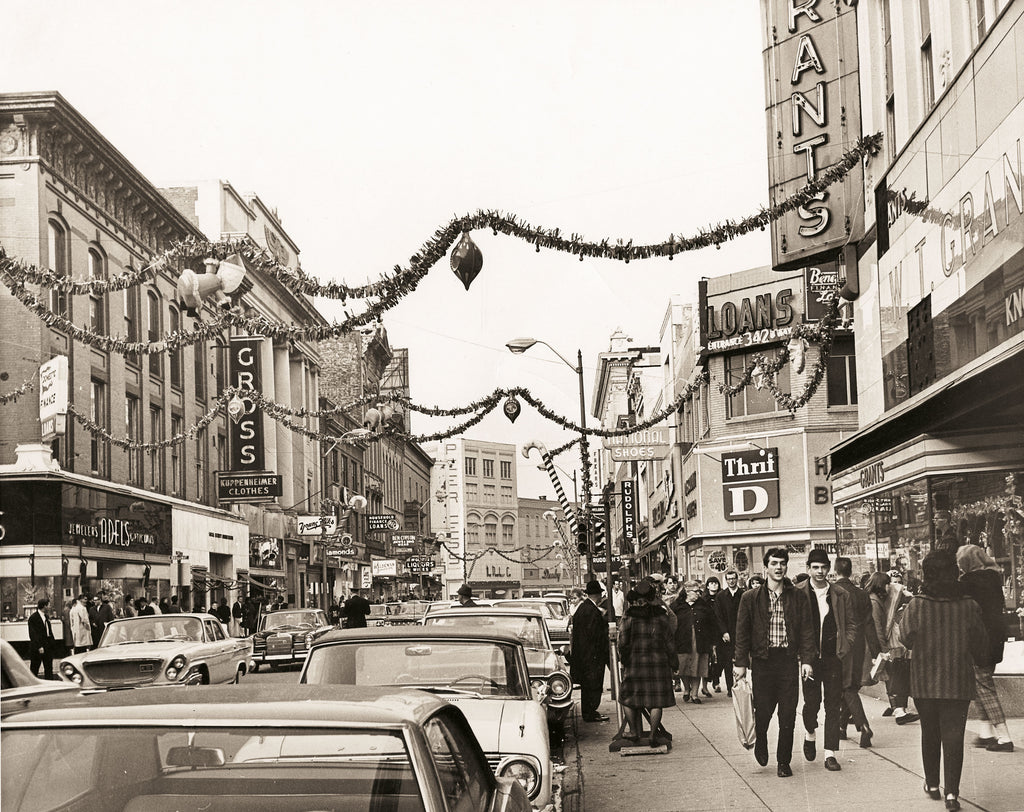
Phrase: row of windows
(487, 467)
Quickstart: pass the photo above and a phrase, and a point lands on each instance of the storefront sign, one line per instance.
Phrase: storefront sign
(265, 552)
(873, 474)
(248, 488)
(337, 552)
(53, 397)
(628, 514)
(752, 321)
(717, 561)
(650, 444)
(381, 521)
(365, 578)
(813, 109)
(316, 525)
(419, 564)
(750, 484)
(246, 432)
(384, 567)
(402, 543)
(115, 522)
(821, 285)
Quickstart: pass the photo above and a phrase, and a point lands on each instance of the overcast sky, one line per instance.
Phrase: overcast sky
(370, 125)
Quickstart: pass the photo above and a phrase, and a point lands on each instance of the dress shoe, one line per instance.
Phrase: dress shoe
(730, 692)
(952, 804)
(907, 718)
(696, 700)
(761, 753)
(887, 712)
(985, 741)
(933, 792)
(660, 741)
(686, 697)
(865, 736)
(784, 771)
(810, 750)
(1000, 747)
(706, 692)
(718, 689)
(597, 717)
(832, 765)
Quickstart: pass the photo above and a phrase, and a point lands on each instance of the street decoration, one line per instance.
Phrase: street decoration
(12, 397)
(512, 408)
(221, 278)
(466, 260)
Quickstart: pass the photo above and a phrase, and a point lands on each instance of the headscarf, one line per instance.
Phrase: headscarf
(971, 557)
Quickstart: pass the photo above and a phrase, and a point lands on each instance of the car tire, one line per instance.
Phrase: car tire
(255, 668)
(238, 675)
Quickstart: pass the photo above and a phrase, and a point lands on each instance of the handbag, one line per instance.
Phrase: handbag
(743, 707)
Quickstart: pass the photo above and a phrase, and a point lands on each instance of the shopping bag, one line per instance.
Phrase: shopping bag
(878, 667)
(743, 706)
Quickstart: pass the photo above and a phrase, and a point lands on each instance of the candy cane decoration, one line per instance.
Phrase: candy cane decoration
(549, 466)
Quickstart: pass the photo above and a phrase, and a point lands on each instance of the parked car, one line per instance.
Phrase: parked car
(172, 649)
(549, 670)
(284, 637)
(286, 748)
(379, 615)
(19, 686)
(556, 616)
(439, 606)
(405, 612)
(484, 673)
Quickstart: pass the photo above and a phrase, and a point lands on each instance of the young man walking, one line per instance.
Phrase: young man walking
(835, 631)
(727, 605)
(864, 645)
(775, 639)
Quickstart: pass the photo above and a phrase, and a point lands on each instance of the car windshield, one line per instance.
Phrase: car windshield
(147, 628)
(289, 620)
(551, 610)
(406, 609)
(528, 628)
(378, 610)
(142, 769)
(448, 666)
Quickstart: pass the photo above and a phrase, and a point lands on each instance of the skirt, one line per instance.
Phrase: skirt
(693, 665)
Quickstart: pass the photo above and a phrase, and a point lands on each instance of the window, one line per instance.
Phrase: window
(222, 452)
(979, 5)
(60, 302)
(471, 492)
(506, 469)
(220, 372)
(153, 333)
(177, 458)
(97, 301)
(490, 533)
(750, 400)
(927, 67)
(462, 776)
(132, 325)
(842, 373)
(473, 532)
(890, 94)
(489, 469)
(174, 356)
(507, 534)
(133, 428)
(199, 370)
(99, 459)
(489, 495)
(156, 456)
(506, 494)
(202, 466)
(470, 466)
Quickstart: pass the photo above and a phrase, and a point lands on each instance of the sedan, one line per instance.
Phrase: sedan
(19, 685)
(556, 616)
(483, 673)
(285, 636)
(285, 748)
(172, 649)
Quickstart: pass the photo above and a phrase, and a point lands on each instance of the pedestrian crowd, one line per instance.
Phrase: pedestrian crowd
(821, 637)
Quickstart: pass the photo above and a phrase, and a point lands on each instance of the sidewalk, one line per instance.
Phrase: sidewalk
(707, 768)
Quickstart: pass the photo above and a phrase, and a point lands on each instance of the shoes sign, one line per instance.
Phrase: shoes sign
(647, 444)
(750, 484)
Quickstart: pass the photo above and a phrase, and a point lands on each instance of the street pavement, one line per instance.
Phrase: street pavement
(709, 769)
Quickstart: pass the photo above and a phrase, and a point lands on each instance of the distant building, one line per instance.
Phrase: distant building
(550, 559)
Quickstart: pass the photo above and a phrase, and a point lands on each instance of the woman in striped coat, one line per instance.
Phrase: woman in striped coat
(944, 630)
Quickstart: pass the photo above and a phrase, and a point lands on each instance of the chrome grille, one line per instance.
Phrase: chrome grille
(119, 672)
(279, 644)
(493, 760)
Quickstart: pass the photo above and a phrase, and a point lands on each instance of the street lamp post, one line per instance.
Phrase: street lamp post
(518, 346)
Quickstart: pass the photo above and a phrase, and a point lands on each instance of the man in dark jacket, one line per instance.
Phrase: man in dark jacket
(465, 596)
(773, 630)
(835, 631)
(41, 640)
(94, 619)
(356, 610)
(727, 604)
(590, 653)
(865, 644)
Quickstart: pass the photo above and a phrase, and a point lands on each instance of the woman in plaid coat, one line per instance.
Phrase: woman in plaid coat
(648, 654)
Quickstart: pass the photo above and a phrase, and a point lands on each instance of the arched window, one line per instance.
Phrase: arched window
(97, 301)
(153, 333)
(174, 356)
(57, 246)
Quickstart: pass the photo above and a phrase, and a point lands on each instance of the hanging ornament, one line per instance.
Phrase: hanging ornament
(372, 418)
(466, 260)
(798, 353)
(236, 408)
(757, 377)
(512, 408)
(221, 278)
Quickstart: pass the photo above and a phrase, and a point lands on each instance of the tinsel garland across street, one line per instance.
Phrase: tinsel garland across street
(14, 394)
(472, 558)
(127, 443)
(392, 288)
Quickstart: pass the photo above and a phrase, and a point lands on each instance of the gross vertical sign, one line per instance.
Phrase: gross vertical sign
(246, 434)
(750, 484)
(628, 515)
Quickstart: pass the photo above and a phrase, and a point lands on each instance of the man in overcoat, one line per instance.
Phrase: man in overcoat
(727, 604)
(41, 640)
(865, 644)
(590, 653)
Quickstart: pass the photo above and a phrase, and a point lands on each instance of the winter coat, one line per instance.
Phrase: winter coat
(752, 625)
(846, 623)
(589, 648)
(726, 607)
(947, 637)
(647, 652)
(865, 644)
(986, 588)
(81, 626)
(684, 633)
(886, 612)
(705, 625)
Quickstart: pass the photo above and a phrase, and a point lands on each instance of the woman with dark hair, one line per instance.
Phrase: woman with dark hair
(648, 655)
(982, 580)
(887, 602)
(712, 588)
(943, 628)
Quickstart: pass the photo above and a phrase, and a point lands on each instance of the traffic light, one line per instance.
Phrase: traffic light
(581, 537)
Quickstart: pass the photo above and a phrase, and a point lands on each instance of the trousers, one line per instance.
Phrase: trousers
(943, 722)
(591, 685)
(827, 681)
(775, 684)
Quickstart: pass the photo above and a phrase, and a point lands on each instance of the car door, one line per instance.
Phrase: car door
(218, 657)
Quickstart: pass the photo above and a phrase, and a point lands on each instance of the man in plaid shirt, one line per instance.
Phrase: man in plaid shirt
(774, 635)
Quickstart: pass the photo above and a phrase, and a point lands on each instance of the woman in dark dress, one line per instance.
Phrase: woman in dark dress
(648, 655)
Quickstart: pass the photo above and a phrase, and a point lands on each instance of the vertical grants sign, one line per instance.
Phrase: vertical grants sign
(246, 433)
(53, 397)
(813, 109)
(750, 484)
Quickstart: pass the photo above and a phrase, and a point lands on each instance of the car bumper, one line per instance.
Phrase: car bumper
(260, 659)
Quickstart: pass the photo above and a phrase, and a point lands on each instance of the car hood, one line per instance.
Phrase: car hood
(137, 651)
(499, 725)
(293, 632)
(542, 662)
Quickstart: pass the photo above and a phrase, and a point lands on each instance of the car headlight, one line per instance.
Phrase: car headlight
(525, 773)
(70, 673)
(177, 665)
(540, 688)
(309, 639)
(559, 686)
